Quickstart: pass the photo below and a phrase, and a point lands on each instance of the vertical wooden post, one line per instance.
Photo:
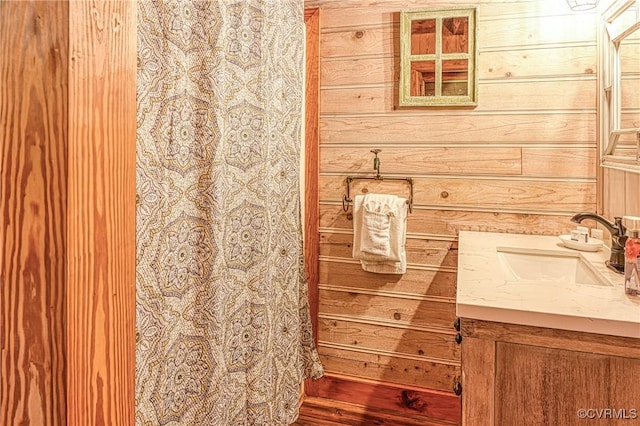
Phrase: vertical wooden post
(33, 211)
(101, 213)
(312, 168)
(67, 197)
(312, 160)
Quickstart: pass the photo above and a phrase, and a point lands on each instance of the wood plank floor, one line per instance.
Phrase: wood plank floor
(326, 412)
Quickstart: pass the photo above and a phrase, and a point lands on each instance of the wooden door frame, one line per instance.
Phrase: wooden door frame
(312, 157)
(68, 172)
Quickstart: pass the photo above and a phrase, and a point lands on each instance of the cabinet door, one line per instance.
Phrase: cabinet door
(543, 386)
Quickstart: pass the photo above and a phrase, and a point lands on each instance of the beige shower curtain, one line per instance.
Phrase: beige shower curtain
(223, 329)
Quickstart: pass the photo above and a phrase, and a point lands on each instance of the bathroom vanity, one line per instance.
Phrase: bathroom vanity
(549, 336)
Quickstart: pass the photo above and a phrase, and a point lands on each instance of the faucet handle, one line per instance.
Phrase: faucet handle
(621, 228)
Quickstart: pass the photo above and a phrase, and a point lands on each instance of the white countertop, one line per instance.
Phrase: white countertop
(484, 292)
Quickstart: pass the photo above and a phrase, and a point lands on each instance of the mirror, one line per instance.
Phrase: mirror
(619, 100)
(438, 57)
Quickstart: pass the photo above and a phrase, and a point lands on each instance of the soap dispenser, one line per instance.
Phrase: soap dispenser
(632, 256)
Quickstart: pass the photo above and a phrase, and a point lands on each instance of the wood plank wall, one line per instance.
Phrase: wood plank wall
(523, 160)
(621, 193)
(67, 197)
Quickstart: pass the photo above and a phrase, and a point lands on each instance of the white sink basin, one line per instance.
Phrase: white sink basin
(554, 266)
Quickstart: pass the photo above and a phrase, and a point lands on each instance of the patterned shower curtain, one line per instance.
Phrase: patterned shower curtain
(223, 328)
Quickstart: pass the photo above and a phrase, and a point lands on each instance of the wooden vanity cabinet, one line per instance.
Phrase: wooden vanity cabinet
(522, 375)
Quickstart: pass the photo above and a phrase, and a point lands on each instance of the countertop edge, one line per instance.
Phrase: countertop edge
(548, 320)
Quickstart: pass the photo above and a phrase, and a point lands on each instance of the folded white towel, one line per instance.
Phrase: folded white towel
(395, 210)
(364, 209)
(374, 235)
(377, 210)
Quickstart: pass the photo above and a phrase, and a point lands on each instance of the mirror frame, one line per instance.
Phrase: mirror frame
(406, 58)
(610, 93)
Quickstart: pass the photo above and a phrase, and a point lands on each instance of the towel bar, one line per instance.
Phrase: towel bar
(346, 199)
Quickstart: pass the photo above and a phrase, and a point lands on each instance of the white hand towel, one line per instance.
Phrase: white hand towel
(377, 210)
(357, 226)
(374, 236)
(396, 207)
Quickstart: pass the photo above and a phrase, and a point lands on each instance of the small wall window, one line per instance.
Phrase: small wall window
(438, 57)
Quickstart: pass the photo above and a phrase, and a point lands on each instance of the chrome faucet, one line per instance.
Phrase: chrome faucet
(618, 238)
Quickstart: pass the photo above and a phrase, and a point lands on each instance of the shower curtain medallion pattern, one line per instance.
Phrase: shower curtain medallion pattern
(223, 328)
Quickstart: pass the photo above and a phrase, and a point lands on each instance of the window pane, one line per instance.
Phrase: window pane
(423, 37)
(455, 76)
(423, 77)
(455, 35)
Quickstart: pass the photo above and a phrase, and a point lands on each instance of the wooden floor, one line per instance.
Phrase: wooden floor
(326, 412)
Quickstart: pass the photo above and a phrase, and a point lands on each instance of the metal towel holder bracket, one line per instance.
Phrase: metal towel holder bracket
(346, 199)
